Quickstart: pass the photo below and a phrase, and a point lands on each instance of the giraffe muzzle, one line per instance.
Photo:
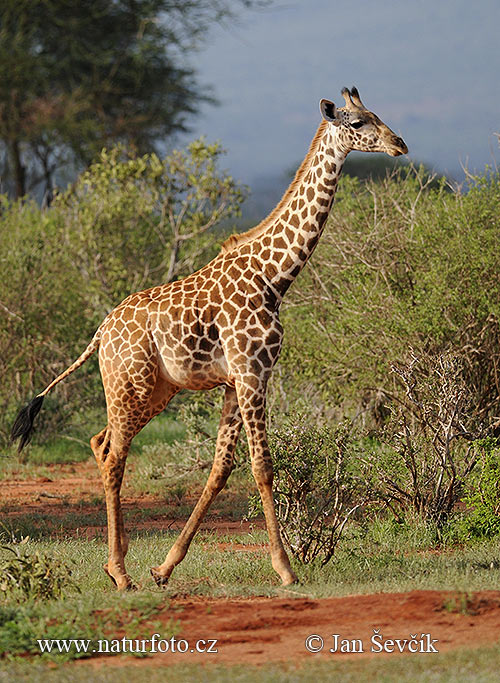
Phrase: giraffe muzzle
(398, 147)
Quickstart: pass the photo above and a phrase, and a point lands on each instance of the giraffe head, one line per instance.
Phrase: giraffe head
(360, 129)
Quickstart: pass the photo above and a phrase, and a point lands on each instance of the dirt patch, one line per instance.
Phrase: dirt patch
(77, 488)
(70, 483)
(264, 630)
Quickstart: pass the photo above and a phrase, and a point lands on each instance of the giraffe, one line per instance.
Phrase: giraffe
(218, 326)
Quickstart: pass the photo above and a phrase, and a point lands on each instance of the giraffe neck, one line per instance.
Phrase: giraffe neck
(291, 237)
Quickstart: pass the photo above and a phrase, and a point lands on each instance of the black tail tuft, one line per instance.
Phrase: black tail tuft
(23, 425)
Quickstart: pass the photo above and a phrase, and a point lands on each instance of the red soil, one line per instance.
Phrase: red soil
(264, 630)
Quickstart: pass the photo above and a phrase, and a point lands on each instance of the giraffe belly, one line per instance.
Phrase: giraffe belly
(189, 371)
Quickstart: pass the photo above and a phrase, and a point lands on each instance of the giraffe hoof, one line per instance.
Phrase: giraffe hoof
(105, 567)
(124, 583)
(289, 579)
(158, 578)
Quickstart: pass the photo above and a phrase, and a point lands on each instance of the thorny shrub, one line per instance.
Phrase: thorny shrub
(427, 451)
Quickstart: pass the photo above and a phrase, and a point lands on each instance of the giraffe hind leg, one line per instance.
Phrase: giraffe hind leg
(111, 448)
(111, 461)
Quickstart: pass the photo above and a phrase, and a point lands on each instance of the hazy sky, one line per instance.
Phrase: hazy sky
(428, 68)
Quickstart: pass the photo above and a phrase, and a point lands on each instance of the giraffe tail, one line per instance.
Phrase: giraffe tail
(22, 428)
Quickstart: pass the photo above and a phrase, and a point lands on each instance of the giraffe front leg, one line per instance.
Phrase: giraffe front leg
(229, 430)
(252, 405)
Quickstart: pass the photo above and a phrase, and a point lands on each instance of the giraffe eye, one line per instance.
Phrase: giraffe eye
(357, 124)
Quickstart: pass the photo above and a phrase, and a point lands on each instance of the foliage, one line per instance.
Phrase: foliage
(401, 266)
(42, 307)
(75, 77)
(84, 618)
(316, 489)
(128, 223)
(404, 269)
(32, 576)
(482, 494)
(395, 322)
(132, 222)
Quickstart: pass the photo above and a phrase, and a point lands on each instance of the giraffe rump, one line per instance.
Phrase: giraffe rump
(23, 425)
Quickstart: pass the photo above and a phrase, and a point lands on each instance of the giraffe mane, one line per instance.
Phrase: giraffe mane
(236, 241)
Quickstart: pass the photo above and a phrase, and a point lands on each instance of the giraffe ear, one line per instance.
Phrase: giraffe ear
(329, 112)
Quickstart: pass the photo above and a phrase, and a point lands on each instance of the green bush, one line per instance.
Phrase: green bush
(26, 575)
(134, 222)
(403, 266)
(481, 518)
(406, 275)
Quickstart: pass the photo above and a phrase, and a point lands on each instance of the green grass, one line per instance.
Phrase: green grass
(163, 429)
(45, 526)
(384, 557)
(11, 467)
(475, 666)
(362, 569)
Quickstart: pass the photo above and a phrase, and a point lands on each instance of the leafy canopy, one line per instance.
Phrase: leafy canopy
(77, 76)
